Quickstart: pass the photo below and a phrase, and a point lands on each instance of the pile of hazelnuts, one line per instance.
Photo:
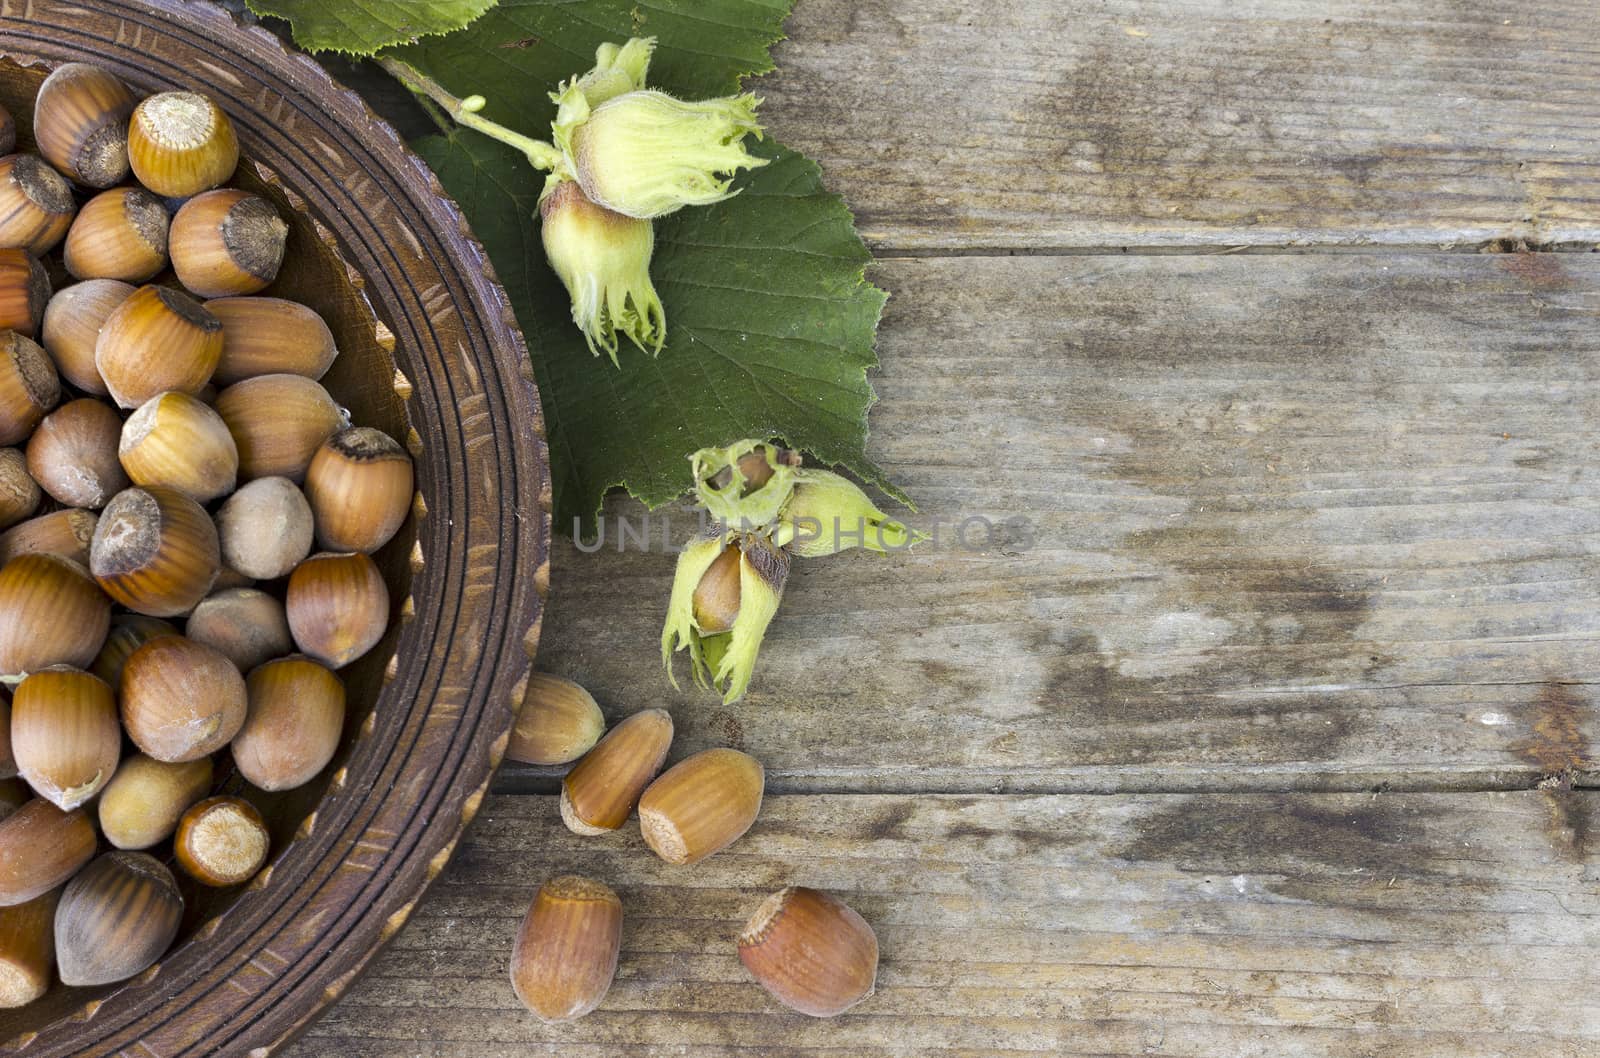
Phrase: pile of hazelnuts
(188, 521)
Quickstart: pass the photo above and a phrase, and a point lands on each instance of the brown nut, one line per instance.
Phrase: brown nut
(66, 533)
(72, 322)
(36, 204)
(80, 118)
(716, 597)
(181, 143)
(278, 422)
(118, 234)
(29, 386)
(142, 804)
(360, 488)
(27, 950)
(338, 607)
(129, 632)
(227, 242)
(222, 841)
(565, 954)
(155, 551)
(19, 493)
(265, 528)
(116, 919)
(177, 440)
(558, 722)
(40, 847)
(51, 613)
(601, 790)
(295, 722)
(65, 734)
(247, 626)
(73, 453)
(271, 336)
(810, 951)
(701, 805)
(181, 700)
(24, 292)
(158, 339)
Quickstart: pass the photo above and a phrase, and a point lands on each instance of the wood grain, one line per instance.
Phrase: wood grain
(1271, 924)
(1313, 521)
(959, 124)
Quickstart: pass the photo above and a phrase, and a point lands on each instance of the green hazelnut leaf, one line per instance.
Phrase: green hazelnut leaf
(770, 321)
(363, 27)
(770, 326)
(518, 53)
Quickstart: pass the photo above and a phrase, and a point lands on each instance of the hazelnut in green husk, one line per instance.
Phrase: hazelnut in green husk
(603, 259)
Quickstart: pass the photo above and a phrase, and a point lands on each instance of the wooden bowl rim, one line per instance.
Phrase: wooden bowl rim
(208, 996)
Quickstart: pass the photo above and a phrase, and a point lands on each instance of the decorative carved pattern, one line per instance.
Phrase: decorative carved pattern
(429, 353)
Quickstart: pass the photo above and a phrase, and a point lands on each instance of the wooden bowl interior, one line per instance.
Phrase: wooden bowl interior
(363, 380)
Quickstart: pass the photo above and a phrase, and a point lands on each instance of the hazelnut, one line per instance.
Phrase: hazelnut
(338, 607)
(565, 954)
(176, 440)
(271, 336)
(227, 242)
(27, 950)
(601, 790)
(278, 422)
(73, 453)
(701, 805)
(72, 322)
(557, 723)
(28, 386)
(116, 919)
(265, 528)
(810, 951)
(19, 493)
(40, 847)
(36, 204)
(24, 292)
(65, 734)
(222, 841)
(155, 551)
(118, 234)
(360, 488)
(181, 143)
(80, 118)
(295, 721)
(141, 806)
(158, 339)
(248, 626)
(65, 533)
(181, 700)
(51, 613)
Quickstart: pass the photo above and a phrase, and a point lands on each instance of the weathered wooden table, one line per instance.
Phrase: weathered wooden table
(1275, 741)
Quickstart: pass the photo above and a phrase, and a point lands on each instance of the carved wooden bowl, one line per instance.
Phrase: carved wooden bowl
(429, 352)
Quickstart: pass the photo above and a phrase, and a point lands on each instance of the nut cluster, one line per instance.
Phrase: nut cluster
(808, 949)
(187, 524)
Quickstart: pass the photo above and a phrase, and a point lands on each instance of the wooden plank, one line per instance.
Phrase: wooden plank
(1328, 521)
(955, 124)
(1269, 924)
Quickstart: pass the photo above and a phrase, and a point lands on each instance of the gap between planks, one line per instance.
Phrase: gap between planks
(527, 780)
